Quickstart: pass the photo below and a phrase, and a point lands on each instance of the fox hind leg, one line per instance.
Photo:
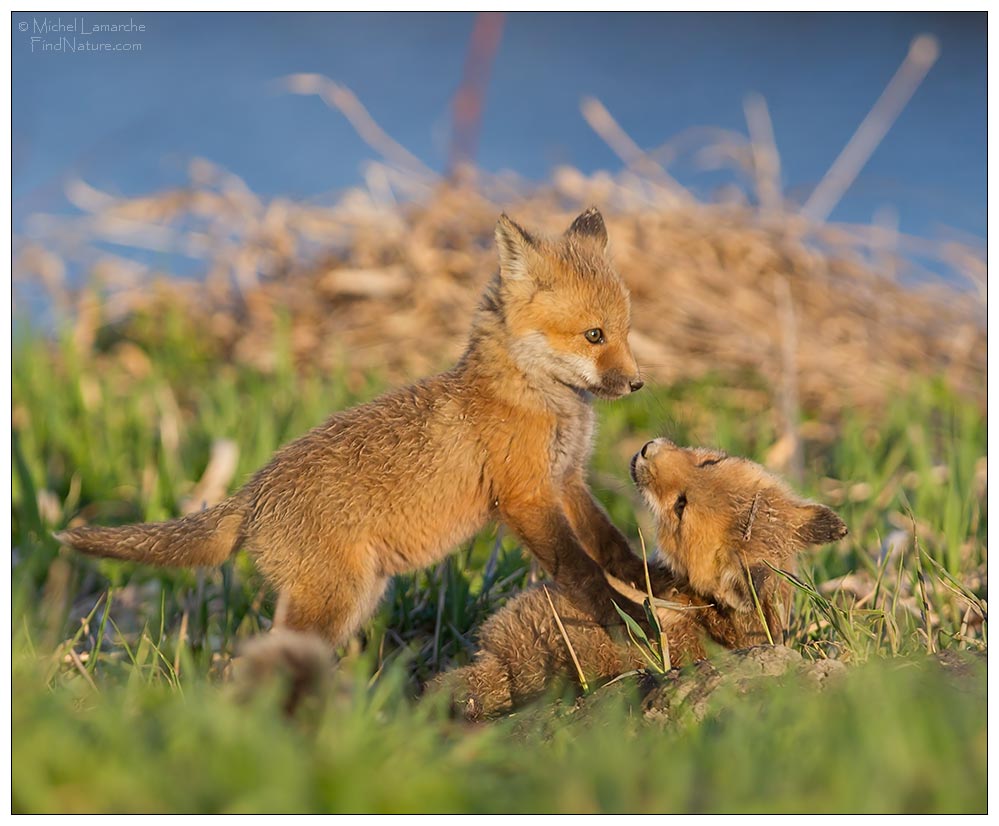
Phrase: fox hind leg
(333, 606)
(477, 691)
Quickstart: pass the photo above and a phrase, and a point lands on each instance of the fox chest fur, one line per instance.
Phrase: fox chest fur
(393, 485)
(572, 439)
(531, 448)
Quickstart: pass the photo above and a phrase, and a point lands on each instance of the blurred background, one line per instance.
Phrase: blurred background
(205, 85)
(280, 160)
(227, 226)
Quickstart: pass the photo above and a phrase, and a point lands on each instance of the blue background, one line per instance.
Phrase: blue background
(203, 85)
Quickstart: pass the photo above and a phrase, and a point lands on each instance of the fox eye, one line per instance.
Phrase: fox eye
(679, 505)
(595, 336)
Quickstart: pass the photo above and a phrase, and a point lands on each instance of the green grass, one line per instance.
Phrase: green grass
(118, 703)
(894, 738)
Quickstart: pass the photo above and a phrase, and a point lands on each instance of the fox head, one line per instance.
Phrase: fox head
(565, 311)
(720, 519)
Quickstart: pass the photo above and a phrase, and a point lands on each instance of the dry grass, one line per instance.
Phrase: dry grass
(387, 277)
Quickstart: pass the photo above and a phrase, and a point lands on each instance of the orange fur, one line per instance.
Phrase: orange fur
(736, 517)
(394, 485)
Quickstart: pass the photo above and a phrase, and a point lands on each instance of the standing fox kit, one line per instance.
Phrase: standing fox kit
(720, 520)
(394, 485)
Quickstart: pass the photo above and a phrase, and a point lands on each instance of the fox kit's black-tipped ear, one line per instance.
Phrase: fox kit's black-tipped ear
(515, 245)
(821, 525)
(590, 224)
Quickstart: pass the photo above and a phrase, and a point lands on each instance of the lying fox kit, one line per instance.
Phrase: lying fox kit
(720, 520)
(394, 485)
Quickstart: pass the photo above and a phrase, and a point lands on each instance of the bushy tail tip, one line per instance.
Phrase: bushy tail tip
(205, 538)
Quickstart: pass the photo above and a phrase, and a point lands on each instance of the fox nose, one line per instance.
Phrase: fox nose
(638, 384)
(650, 449)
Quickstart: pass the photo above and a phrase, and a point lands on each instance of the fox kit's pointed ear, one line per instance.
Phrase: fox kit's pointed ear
(590, 225)
(515, 245)
(821, 525)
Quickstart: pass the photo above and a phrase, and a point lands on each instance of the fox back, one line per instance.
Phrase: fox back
(396, 484)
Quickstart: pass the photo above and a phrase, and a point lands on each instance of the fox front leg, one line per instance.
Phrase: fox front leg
(601, 537)
(547, 532)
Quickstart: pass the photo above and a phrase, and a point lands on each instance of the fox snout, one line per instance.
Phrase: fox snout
(649, 448)
(617, 371)
(617, 383)
(640, 461)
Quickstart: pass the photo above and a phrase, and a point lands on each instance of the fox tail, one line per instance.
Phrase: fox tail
(201, 539)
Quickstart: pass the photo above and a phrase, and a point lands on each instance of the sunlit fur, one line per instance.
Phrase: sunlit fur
(737, 516)
(718, 543)
(394, 485)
